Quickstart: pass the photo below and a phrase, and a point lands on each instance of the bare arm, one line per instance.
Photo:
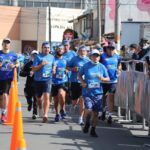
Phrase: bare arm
(82, 81)
(38, 67)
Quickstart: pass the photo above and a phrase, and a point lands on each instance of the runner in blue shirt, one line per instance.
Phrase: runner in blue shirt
(42, 67)
(59, 87)
(91, 75)
(8, 61)
(111, 61)
(68, 55)
(74, 66)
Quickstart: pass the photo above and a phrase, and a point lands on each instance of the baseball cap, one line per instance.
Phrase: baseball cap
(34, 52)
(111, 45)
(83, 47)
(95, 51)
(47, 44)
(6, 40)
(66, 42)
(60, 46)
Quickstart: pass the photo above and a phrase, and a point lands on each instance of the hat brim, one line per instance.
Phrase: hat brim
(6, 41)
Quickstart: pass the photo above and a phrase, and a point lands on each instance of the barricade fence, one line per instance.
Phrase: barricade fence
(133, 91)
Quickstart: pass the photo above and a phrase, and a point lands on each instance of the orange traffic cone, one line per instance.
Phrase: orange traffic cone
(11, 105)
(21, 144)
(15, 82)
(17, 133)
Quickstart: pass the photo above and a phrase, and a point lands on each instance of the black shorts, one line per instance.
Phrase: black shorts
(109, 88)
(56, 87)
(5, 86)
(76, 90)
(41, 87)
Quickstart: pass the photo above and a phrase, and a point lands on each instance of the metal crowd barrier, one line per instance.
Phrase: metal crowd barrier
(133, 92)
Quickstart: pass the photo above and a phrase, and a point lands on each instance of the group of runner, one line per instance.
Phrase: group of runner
(90, 77)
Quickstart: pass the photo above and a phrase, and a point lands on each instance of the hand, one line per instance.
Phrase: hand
(1, 64)
(101, 78)
(31, 73)
(75, 69)
(12, 66)
(44, 62)
(83, 84)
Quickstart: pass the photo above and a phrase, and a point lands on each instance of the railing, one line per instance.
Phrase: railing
(133, 92)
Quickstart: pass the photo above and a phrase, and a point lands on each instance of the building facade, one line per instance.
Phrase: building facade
(77, 4)
(29, 27)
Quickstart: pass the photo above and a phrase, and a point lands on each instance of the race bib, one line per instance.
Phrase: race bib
(60, 76)
(46, 74)
(93, 84)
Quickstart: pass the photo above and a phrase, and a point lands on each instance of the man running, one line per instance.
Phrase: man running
(90, 76)
(8, 61)
(59, 87)
(111, 61)
(76, 89)
(42, 66)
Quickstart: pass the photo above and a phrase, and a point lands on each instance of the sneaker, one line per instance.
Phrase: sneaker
(63, 114)
(3, 118)
(34, 116)
(45, 119)
(86, 128)
(93, 133)
(57, 118)
(81, 122)
(109, 121)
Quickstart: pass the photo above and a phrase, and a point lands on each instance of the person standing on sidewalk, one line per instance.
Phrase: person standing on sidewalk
(59, 87)
(90, 76)
(42, 67)
(8, 61)
(74, 66)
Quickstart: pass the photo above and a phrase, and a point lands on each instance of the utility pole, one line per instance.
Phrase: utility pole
(38, 18)
(49, 22)
(99, 20)
(117, 25)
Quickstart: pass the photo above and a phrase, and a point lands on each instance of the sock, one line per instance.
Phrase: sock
(4, 111)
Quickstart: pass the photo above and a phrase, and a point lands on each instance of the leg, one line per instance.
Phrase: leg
(46, 103)
(56, 102)
(81, 111)
(28, 95)
(62, 99)
(87, 115)
(94, 124)
(56, 105)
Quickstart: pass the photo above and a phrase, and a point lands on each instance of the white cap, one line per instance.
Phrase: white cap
(6, 39)
(34, 52)
(95, 51)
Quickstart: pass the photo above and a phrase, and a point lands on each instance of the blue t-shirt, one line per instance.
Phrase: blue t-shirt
(6, 72)
(111, 63)
(45, 73)
(68, 56)
(91, 73)
(60, 76)
(77, 61)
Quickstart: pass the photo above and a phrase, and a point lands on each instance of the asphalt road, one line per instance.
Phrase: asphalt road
(67, 134)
